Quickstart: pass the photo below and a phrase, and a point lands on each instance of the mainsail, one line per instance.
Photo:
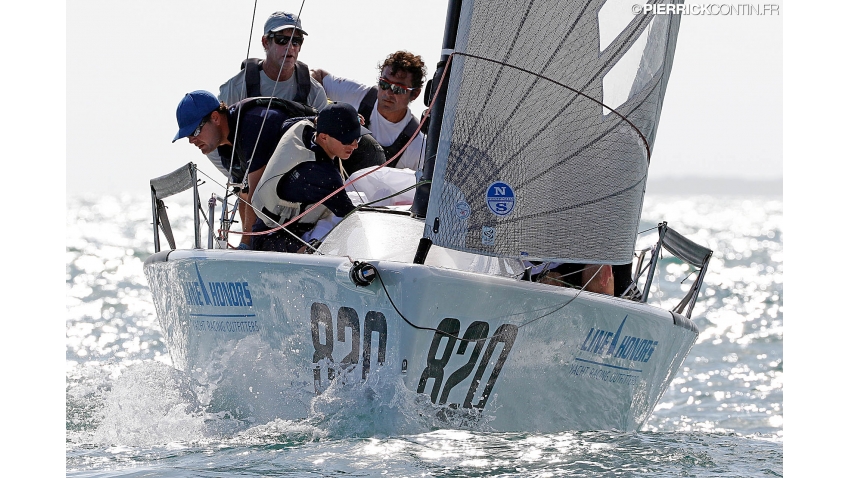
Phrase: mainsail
(532, 162)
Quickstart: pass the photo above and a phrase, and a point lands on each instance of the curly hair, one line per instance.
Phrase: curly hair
(406, 61)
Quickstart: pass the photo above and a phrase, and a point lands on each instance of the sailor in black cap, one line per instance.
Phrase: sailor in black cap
(303, 170)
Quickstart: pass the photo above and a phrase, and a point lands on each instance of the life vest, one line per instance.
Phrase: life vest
(291, 151)
(253, 67)
(365, 109)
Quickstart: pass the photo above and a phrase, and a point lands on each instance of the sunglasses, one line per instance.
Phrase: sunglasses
(283, 40)
(198, 129)
(397, 89)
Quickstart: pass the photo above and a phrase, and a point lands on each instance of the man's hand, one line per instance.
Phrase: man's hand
(318, 74)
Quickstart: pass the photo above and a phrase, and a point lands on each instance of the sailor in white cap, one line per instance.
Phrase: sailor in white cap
(280, 74)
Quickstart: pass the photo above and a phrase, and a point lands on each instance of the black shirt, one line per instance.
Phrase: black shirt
(311, 181)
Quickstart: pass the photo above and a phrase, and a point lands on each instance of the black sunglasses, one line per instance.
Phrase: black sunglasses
(385, 84)
(283, 40)
(201, 125)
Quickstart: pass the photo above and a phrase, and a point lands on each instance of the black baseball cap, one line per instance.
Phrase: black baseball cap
(341, 122)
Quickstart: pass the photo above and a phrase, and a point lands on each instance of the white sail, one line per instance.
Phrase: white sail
(530, 164)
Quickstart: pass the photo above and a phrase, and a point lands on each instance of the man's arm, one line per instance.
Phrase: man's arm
(232, 90)
(340, 89)
(249, 216)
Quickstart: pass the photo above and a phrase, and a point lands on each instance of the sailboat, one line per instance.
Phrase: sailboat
(542, 121)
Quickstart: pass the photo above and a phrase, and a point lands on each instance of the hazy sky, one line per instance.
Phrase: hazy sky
(130, 63)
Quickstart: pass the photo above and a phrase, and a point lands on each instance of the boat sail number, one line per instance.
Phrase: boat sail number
(474, 336)
(347, 318)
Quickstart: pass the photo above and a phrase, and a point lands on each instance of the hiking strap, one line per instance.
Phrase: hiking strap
(402, 139)
(367, 104)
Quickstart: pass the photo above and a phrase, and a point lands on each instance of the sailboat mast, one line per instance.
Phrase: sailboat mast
(420, 200)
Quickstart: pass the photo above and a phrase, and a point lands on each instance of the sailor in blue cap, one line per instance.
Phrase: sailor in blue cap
(244, 134)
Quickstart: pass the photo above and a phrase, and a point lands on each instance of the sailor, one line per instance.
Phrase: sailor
(303, 170)
(211, 126)
(385, 106)
(593, 277)
(281, 74)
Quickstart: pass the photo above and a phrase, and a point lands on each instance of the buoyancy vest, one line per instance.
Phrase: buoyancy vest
(291, 151)
(367, 104)
(254, 66)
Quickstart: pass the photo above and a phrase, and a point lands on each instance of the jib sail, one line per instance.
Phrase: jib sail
(532, 162)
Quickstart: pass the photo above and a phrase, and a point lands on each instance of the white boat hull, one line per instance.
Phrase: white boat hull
(269, 329)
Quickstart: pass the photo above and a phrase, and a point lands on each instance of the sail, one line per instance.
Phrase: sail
(551, 112)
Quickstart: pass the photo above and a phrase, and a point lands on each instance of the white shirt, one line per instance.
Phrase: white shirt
(384, 132)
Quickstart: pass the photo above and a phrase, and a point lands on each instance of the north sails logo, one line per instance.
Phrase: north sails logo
(217, 294)
(609, 344)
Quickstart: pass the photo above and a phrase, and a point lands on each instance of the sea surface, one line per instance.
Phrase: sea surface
(129, 413)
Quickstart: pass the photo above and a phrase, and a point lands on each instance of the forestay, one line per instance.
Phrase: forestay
(530, 164)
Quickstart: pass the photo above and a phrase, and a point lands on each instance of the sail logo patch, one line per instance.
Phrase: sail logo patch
(488, 236)
(462, 210)
(500, 198)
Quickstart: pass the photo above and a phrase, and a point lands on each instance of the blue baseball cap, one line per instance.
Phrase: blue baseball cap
(281, 21)
(341, 122)
(192, 109)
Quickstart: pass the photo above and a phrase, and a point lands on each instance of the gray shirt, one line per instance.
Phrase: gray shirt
(233, 90)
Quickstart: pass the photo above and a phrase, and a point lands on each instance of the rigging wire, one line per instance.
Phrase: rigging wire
(245, 183)
(244, 87)
(224, 230)
(274, 89)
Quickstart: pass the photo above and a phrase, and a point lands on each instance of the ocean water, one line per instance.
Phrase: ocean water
(129, 413)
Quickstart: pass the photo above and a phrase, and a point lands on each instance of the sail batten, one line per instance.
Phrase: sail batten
(531, 162)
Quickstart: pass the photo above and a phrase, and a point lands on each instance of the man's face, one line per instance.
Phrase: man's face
(391, 102)
(209, 135)
(286, 53)
(335, 148)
